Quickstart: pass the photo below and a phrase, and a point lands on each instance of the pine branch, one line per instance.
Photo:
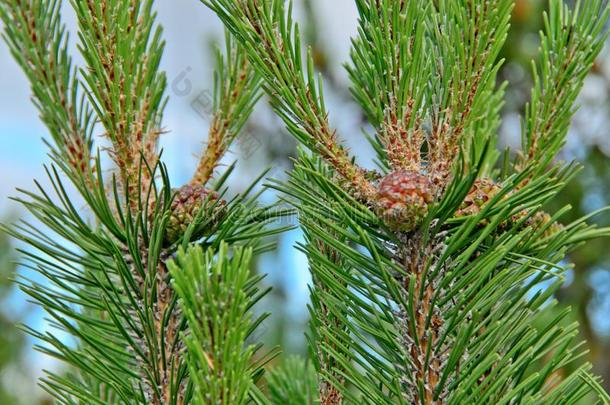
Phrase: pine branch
(323, 316)
(449, 332)
(426, 281)
(38, 41)
(391, 293)
(236, 91)
(266, 30)
(571, 41)
(468, 36)
(108, 285)
(75, 299)
(122, 46)
(112, 307)
(390, 72)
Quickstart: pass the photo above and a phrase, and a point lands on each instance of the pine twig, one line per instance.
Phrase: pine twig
(569, 45)
(272, 41)
(122, 46)
(478, 30)
(216, 293)
(236, 91)
(37, 39)
(389, 72)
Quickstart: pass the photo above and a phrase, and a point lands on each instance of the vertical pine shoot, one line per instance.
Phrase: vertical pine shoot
(236, 91)
(272, 41)
(467, 37)
(122, 46)
(391, 71)
(38, 41)
(216, 294)
(570, 42)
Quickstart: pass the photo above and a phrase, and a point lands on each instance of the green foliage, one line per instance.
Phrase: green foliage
(236, 89)
(39, 43)
(292, 382)
(104, 269)
(272, 42)
(300, 104)
(122, 47)
(390, 68)
(236, 92)
(216, 294)
(465, 101)
(467, 38)
(485, 286)
(569, 45)
(452, 311)
(109, 307)
(153, 283)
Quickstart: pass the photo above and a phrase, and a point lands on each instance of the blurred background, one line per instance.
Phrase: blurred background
(191, 31)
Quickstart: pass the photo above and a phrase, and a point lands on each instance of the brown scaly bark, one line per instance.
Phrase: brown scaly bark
(420, 337)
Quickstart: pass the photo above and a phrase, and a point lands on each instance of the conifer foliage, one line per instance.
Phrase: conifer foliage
(427, 271)
(433, 275)
(127, 333)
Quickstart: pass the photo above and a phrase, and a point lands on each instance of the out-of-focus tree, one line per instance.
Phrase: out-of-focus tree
(11, 340)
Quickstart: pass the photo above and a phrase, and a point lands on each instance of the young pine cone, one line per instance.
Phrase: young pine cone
(185, 208)
(481, 192)
(540, 220)
(403, 199)
(372, 176)
(484, 190)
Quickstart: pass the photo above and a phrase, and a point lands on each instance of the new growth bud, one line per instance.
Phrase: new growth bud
(542, 220)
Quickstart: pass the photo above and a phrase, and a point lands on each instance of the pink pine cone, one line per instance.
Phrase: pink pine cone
(403, 199)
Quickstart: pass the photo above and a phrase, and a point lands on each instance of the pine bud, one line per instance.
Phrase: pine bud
(186, 206)
(403, 199)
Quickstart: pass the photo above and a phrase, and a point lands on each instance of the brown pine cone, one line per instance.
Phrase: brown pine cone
(403, 199)
(187, 204)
